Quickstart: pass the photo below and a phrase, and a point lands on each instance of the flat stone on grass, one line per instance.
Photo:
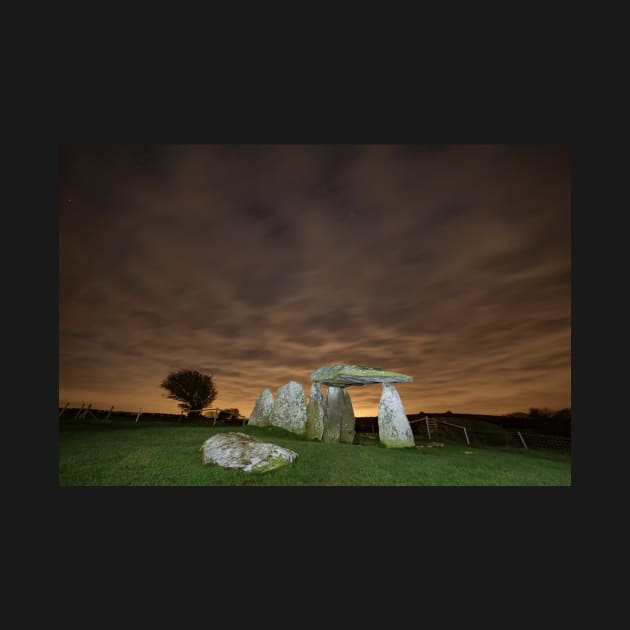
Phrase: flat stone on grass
(239, 451)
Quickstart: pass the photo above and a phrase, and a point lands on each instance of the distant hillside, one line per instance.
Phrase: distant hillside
(558, 424)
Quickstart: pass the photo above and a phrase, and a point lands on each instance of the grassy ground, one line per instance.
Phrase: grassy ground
(122, 453)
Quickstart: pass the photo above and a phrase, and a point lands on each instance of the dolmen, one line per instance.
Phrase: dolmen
(331, 419)
(394, 429)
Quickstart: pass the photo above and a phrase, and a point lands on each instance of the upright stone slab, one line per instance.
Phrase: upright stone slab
(394, 430)
(263, 410)
(315, 413)
(334, 411)
(346, 433)
(289, 412)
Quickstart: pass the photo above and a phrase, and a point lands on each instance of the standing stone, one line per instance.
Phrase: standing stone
(339, 421)
(315, 413)
(289, 412)
(263, 410)
(394, 430)
(334, 412)
(347, 432)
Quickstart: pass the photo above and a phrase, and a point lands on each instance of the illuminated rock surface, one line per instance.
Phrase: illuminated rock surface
(289, 412)
(339, 419)
(394, 429)
(239, 451)
(347, 375)
(332, 420)
(346, 431)
(315, 413)
(263, 410)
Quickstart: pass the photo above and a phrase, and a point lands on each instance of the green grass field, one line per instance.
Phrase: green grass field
(122, 453)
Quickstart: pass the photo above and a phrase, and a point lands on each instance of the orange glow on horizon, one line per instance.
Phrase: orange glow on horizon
(258, 264)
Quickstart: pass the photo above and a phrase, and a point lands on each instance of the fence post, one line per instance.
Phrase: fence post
(522, 440)
(458, 426)
(110, 412)
(84, 412)
(426, 420)
(139, 414)
(61, 413)
(76, 417)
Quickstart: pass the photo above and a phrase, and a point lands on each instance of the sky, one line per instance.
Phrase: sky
(258, 264)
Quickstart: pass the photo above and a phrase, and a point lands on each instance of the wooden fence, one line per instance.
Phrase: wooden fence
(423, 427)
(83, 412)
(429, 427)
(505, 437)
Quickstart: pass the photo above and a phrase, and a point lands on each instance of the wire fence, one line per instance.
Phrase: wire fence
(504, 437)
(432, 429)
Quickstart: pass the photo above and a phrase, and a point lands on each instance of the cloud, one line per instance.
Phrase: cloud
(261, 264)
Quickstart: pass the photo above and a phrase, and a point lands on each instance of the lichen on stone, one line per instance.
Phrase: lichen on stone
(346, 375)
(347, 423)
(239, 451)
(394, 429)
(315, 413)
(332, 421)
(289, 411)
(262, 413)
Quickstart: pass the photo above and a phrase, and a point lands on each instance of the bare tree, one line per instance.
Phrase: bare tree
(193, 389)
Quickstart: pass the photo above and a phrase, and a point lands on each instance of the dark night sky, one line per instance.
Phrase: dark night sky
(259, 264)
